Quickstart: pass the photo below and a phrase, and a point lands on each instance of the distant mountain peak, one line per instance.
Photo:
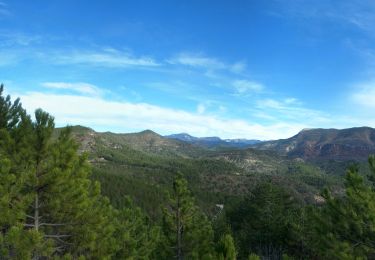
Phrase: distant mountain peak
(213, 141)
(306, 129)
(148, 132)
(182, 137)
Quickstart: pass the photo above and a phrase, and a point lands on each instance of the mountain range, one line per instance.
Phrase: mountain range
(213, 142)
(310, 144)
(142, 165)
(326, 144)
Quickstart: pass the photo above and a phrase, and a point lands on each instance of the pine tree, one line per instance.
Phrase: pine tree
(187, 230)
(253, 256)
(226, 249)
(345, 226)
(136, 236)
(15, 125)
(262, 222)
(49, 207)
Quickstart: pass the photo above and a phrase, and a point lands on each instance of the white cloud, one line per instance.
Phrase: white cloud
(12, 39)
(4, 11)
(80, 87)
(201, 108)
(359, 14)
(211, 64)
(8, 58)
(106, 115)
(291, 110)
(238, 67)
(245, 86)
(197, 60)
(106, 58)
(364, 95)
(291, 101)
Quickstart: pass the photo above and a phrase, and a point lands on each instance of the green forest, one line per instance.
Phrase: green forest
(59, 201)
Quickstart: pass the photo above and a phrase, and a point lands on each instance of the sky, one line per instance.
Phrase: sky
(235, 69)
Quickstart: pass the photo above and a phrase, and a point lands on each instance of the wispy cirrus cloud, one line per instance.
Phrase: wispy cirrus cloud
(108, 57)
(359, 14)
(293, 111)
(20, 48)
(80, 87)
(12, 39)
(9, 58)
(363, 95)
(238, 67)
(246, 86)
(198, 60)
(4, 10)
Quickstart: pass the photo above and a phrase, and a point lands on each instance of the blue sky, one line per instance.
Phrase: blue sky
(234, 69)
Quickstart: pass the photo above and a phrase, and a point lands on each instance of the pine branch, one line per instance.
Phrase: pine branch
(62, 241)
(56, 236)
(28, 216)
(59, 249)
(53, 225)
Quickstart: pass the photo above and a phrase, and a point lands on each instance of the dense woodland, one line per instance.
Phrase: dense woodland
(55, 204)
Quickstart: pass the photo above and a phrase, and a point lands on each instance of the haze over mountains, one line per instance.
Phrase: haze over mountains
(211, 142)
(346, 144)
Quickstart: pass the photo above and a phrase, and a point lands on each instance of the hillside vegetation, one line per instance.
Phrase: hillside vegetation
(129, 164)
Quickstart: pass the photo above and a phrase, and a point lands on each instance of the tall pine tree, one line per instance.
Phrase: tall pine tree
(226, 249)
(345, 225)
(15, 157)
(188, 232)
(48, 206)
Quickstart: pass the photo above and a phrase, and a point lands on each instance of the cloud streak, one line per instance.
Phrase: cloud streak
(357, 13)
(4, 11)
(12, 39)
(291, 110)
(246, 86)
(106, 58)
(102, 114)
(81, 87)
(197, 60)
(364, 95)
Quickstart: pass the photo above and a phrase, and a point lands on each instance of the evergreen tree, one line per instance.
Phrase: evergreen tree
(226, 249)
(262, 222)
(15, 125)
(48, 205)
(253, 256)
(136, 236)
(187, 230)
(345, 226)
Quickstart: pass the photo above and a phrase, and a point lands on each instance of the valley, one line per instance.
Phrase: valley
(142, 165)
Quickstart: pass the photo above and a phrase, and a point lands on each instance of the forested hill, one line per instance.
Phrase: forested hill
(150, 161)
(309, 144)
(146, 141)
(143, 164)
